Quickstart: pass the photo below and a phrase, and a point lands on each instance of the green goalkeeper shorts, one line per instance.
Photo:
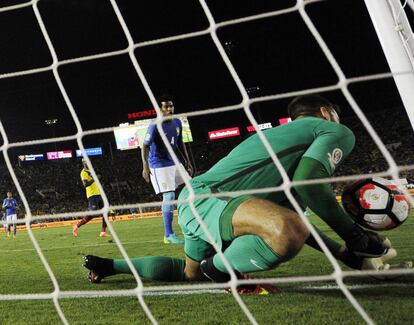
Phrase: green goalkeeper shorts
(216, 213)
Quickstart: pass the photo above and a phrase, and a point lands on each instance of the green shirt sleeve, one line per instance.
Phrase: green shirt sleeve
(320, 197)
(333, 143)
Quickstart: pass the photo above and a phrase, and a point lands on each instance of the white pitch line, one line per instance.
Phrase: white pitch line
(351, 287)
(167, 292)
(288, 289)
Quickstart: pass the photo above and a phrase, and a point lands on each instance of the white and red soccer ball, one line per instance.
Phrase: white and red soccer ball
(376, 204)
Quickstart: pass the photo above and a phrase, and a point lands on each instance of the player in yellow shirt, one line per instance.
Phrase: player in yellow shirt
(94, 200)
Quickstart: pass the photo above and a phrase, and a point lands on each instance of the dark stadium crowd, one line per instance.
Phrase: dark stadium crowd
(55, 187)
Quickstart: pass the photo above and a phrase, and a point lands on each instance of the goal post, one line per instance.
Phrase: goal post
(396, 37)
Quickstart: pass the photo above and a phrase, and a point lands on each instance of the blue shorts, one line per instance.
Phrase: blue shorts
(95, 202)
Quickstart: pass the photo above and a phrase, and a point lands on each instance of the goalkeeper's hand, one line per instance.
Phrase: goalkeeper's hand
(366, 243)
(378, 263)
(374, 263)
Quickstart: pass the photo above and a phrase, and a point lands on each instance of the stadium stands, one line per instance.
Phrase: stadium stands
(55, 186)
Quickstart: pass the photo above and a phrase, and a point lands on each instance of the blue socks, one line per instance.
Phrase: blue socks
(168, 212)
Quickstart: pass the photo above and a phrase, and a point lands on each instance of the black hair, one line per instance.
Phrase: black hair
(309, 105)
(165, 98)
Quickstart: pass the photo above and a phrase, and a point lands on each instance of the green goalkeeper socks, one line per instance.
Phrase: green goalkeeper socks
(158, 268)
(248, 253)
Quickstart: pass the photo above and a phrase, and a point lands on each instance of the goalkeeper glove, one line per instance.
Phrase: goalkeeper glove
(366, 243)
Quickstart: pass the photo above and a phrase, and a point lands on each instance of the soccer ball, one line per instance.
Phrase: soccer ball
(376, 204)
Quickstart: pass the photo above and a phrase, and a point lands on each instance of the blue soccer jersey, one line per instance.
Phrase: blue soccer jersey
(10, 205)
(158, 153)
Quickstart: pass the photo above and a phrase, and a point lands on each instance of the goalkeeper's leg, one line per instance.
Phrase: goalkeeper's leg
(103, 229)
(8, 225)
(262, 235)
(159, 268)
(80, 223)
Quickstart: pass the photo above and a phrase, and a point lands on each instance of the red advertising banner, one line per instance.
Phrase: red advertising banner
(65, 154)
(59, 154)
(224, 133)
(147, 113)
(284, 120)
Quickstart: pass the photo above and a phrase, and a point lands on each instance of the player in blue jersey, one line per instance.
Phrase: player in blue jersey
(159, 167)
(134, 213)
(10, 206)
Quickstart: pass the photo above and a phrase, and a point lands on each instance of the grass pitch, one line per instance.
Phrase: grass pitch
(21, 272)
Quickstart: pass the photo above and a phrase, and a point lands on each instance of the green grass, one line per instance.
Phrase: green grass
(21, 272)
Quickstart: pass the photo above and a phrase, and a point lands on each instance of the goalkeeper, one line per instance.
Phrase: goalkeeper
(258, 232)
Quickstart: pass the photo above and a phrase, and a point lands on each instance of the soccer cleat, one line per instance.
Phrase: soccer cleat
(173, 239)
(260, 289)
(75, 230)
(211, 272)
(255, 290)
(94, 277)
(99, 267)
(104, 234)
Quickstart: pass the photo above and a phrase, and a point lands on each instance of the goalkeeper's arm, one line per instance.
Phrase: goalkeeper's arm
(321, 200)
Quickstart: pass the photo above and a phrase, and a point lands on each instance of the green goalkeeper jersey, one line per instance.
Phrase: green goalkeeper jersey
(321, 144)
(249, 165)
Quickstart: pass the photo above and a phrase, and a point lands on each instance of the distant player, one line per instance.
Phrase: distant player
(94, 200)
(10, 207)
(133, 212)
(159, 167)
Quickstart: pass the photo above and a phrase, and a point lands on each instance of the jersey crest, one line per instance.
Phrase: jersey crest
(335, 157)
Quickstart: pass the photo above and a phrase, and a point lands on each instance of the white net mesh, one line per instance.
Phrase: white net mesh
(342, 84)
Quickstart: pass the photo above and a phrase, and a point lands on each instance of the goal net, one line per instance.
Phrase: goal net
(225, 67)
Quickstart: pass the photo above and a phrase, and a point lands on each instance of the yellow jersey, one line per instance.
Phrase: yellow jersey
(92, 189)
